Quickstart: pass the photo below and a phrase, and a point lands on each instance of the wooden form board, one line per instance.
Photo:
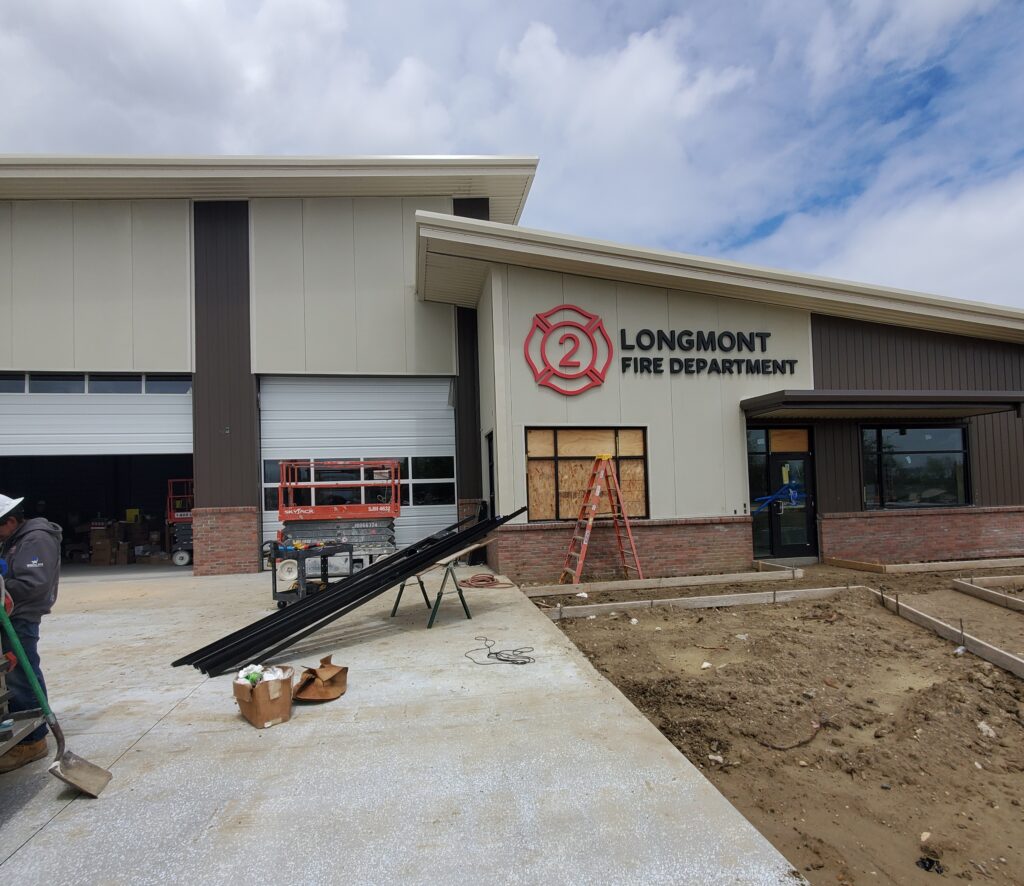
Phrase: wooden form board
(939, 566)
(992, 654)
(998, 581)
(989, 596)
(679, 581)
(716, 601)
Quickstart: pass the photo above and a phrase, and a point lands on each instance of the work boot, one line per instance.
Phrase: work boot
(21, 754)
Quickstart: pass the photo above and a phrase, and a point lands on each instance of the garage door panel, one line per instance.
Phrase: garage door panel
(95, 424)
(322, 418)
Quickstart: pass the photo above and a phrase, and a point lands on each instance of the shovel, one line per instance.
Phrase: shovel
(70, 768)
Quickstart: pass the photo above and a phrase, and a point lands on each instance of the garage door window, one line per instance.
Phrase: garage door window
(559, 461)
(115, 384)
(56, 384)
(12, 383)
(425, 481)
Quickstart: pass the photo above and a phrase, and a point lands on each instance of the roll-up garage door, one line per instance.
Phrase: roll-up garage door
(95, 415)
(409, 419)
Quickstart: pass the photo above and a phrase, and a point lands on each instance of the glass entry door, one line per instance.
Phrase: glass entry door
(792, 520)
(781, 474)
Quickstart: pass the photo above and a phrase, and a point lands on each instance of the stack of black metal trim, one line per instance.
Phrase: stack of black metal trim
(274, 633)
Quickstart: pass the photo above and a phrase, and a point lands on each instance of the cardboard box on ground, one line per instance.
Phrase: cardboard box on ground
(121, 542)
(267, 703)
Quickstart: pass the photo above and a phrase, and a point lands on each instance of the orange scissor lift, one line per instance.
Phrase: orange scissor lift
(180, 499)
(333, 507)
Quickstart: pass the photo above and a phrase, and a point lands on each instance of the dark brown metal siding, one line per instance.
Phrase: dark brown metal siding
(467, 407)
(468, 463)
(853, 355)
(225, 415)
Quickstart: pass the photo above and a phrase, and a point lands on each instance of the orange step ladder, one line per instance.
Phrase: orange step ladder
(602, 479)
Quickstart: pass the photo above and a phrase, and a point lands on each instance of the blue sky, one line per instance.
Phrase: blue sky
(872, 140)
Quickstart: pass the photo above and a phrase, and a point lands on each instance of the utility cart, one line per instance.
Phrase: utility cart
(291, 570)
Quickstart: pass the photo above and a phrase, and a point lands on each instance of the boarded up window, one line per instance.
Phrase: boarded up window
(559, 462)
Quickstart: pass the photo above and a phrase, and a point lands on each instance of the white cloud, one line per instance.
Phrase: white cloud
(689, 126)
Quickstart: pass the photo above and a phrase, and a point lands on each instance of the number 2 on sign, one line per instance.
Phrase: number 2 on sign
(567, 361)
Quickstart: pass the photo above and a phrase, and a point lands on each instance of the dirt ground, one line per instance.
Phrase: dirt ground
(860, 744)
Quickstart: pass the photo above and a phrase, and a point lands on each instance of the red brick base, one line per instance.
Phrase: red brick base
(534, 552)
(226, 541)
(923, 535)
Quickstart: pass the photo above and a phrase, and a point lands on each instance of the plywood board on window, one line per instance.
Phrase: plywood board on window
(540, 483)
(631, 441)
(540, 443)
(788, 439)
(632, 483)
(586, 442)
(573, 479)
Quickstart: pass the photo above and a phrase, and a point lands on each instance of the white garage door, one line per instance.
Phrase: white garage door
(411, 419)
(51, 414)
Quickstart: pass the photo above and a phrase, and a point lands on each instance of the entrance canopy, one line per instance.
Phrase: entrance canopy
(911, 405)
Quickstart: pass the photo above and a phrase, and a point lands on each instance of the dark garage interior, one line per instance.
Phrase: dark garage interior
(83, 493)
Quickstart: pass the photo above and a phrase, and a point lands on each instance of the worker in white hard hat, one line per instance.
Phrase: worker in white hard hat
(30, 562)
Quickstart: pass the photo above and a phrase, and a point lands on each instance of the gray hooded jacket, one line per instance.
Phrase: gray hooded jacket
(33, 567)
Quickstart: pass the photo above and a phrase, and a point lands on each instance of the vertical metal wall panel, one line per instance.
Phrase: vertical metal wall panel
(224, 390)
(6, 288)
(43, 276)
(854, 355)
(467, 406)
(103, 283)
(162, 285)
(360, 417)
(95, 424)
(467, 383)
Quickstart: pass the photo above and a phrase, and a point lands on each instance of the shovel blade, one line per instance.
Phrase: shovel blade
(80, 774)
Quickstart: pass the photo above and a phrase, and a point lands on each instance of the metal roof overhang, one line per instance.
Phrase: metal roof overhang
(906, 405)
(454, 256)
(505, 180)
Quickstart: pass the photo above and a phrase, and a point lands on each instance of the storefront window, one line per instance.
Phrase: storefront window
(914, 467)
(559, 462)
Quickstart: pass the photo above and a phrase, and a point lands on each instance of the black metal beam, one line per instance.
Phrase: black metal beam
(279, 630)
(280, 617)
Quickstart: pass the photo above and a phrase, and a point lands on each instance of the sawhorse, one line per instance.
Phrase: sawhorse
(448, 563)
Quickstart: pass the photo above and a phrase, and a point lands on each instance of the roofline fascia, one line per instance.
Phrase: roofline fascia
(506, 242)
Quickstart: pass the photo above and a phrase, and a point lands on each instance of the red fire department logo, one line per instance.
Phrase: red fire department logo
(568, 350)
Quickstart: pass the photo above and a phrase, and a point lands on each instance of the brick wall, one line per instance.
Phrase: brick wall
(534, 552)
(225, 540)
(923, 535)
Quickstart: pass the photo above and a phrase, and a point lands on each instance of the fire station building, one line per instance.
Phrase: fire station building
(210, 317)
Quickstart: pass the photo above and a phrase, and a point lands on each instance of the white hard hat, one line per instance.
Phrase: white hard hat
(8, 504)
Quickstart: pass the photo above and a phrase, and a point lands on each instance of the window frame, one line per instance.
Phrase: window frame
(407, 483)
(554, 458)
(878, 429)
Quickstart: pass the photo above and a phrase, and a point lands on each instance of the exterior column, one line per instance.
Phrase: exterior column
(226, 516)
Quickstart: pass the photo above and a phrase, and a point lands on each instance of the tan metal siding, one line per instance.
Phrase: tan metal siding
(334, 289)
(95, 286)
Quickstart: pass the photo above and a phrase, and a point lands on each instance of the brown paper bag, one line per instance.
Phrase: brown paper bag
(325, 683)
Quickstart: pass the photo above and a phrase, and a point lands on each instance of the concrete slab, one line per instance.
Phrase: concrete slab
(431, 769)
